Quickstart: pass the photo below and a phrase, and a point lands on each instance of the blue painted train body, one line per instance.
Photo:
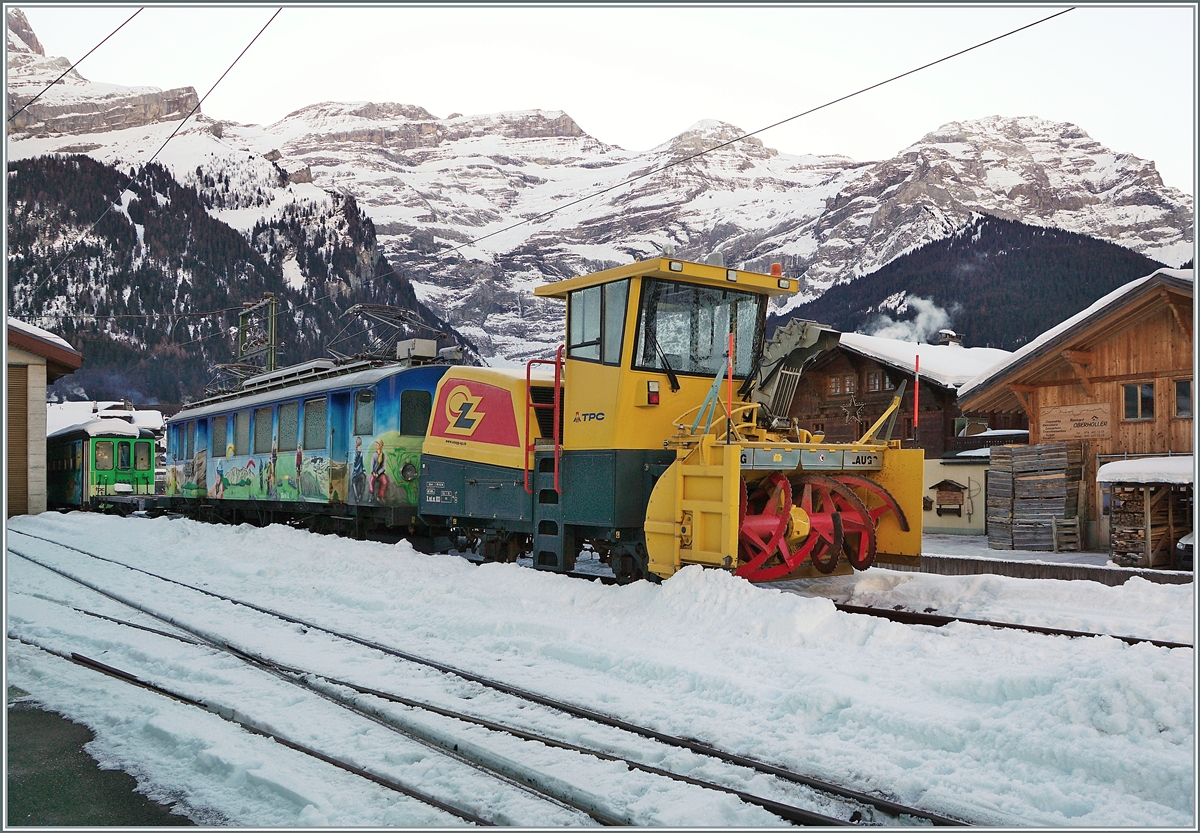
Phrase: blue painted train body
(338, 443)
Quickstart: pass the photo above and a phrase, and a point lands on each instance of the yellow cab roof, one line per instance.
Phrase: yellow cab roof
(670, 268)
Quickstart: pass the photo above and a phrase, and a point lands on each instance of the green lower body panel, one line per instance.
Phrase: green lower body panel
(599, 489)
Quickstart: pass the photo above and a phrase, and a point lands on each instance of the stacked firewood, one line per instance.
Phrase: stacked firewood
(1168, 520)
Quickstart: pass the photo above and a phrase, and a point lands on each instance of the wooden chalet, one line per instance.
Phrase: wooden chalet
(849, 386)
(1116, 378)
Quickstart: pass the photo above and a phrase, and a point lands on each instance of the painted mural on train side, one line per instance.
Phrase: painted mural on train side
(362, 449)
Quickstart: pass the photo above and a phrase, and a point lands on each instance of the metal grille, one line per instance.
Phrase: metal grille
(785, 391)
(544, 395)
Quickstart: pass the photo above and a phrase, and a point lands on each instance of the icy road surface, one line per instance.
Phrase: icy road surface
(997, 727)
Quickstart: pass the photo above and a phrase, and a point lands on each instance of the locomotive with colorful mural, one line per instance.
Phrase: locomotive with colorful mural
(336, 444)
(631, 443)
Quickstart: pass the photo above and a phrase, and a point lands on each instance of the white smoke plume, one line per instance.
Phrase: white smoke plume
(929, 319)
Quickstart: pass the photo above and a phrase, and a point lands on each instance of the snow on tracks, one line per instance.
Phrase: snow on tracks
(957, 719)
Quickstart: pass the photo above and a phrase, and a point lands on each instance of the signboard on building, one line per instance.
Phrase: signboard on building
(1075, 422)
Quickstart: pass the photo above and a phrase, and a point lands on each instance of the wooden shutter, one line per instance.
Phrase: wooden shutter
(18, 439)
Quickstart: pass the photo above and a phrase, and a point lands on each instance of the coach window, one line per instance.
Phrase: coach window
(123, 456)
(262, 430)
(191, 440)
(314, 424)
(415, 407)
(241, 433)
(364, 413)
(104, 455)
(141, 456)
(289, 424)
(220, 436)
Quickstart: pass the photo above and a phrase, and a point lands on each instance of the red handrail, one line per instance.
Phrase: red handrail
(557, 361)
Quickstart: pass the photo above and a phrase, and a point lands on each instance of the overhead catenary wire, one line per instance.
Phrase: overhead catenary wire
(178, 127)
(20, 109)
(698, 154)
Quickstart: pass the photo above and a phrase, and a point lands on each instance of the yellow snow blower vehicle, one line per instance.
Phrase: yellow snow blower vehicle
(659, 437)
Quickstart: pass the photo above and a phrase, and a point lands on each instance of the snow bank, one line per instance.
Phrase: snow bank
(998, 727)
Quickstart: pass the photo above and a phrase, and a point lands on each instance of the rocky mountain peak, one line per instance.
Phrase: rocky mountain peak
(74, 104)
(20, 34)
(709, 133)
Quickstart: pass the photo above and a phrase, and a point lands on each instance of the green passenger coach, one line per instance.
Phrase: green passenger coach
(99, 458)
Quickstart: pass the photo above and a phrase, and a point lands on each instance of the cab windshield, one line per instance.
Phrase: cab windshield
(686, 327)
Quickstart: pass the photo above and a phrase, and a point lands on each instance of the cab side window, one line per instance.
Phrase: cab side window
(415, 407)
(596, 322)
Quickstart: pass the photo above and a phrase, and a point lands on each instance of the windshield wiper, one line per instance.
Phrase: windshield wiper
(671, 377)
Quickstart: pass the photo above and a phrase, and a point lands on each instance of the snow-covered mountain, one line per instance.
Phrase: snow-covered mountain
(445, 193)
(74, 104)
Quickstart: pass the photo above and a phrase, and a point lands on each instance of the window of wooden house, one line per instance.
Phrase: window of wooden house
(1139, 401)
(818, 428)
(888, 384)
(851, 384)
(873, 382)
(1183, 398)
(835, 385)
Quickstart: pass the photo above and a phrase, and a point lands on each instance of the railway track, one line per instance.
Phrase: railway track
(937, 620)
(910, 617)
(371, 702)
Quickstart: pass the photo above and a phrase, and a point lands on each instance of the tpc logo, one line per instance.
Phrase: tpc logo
(596, 417)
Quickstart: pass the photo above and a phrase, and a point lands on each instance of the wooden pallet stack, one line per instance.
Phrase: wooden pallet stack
(1029, 486)
(1000, 498)
(1046, 480)
(1166, 521)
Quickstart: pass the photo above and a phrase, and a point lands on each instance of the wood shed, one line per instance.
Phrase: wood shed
(1150, 502)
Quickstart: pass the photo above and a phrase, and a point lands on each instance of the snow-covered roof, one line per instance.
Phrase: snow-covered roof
(108, 427)
(38, 332)
(1112, 298)
(62, 414)
(1175, 469)
(976, 452)
(949, 365)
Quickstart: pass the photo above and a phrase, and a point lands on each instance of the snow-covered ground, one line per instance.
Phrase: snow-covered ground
(998, 727)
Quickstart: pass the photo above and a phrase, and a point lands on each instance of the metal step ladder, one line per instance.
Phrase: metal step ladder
(553, 545)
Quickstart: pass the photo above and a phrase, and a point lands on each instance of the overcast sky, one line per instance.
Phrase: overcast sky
(635, 77)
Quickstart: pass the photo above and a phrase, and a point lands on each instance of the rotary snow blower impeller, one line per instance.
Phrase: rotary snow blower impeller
(776, 536)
